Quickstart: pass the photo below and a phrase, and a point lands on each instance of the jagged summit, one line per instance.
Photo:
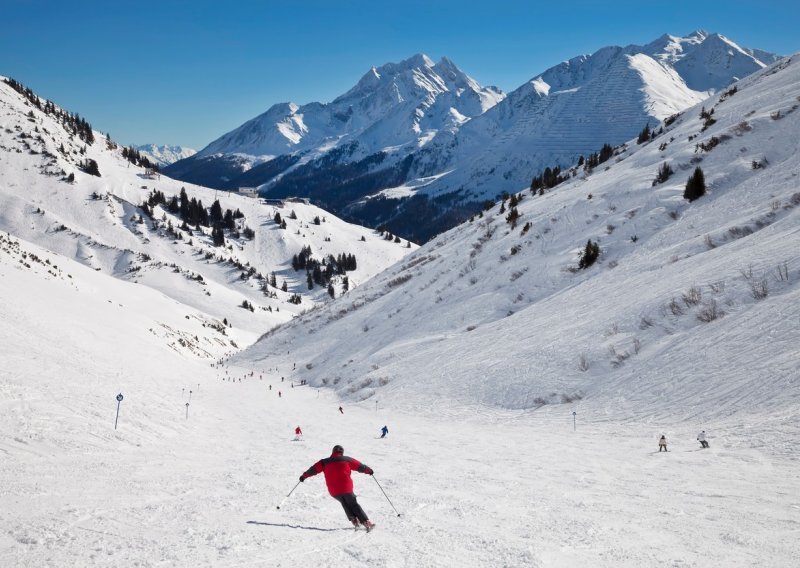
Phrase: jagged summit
(416, 130)
(384, 109)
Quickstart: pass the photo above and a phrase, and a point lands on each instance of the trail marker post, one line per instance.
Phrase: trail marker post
(187, 411)
(190, 396)
(376, 406)
(574, 423)
(119, 400)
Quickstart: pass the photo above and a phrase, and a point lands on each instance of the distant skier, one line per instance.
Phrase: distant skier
(337, 469)
(384, 431)
(341, 411)
(297, 433)
(662, 443)
(701, 437)
(279, 394)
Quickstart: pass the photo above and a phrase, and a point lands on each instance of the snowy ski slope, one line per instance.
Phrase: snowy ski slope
(469, 349)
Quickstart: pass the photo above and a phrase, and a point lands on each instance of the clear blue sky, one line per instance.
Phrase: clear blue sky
(187, 72)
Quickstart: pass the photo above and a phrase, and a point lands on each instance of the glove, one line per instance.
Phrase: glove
(302, 478)
(369, 471)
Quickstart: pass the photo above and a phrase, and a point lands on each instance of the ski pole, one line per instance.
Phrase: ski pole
(385, 495)
(290, 492)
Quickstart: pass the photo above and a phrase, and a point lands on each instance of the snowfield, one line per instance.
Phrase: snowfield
(524, 397)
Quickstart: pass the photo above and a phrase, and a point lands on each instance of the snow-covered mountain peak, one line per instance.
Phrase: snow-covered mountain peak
(415, 61)
(431, 127)
(416, 72)
(393, 105)
(165, 154)
(699, 35)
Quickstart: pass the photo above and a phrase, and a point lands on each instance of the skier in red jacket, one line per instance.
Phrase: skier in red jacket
(337, 470)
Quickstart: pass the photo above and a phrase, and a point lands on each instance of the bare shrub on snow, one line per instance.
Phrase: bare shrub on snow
(619, 359)
(759, 288)
(674, 307)
(692, 296)
(709, 312)
(739, 232)
(717, 287)
(470, 266)
(402, 279)
(583, 362)
(517, 274)
(782, 272)
(742, 128)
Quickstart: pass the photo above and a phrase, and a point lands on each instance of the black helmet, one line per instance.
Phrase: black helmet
(337, 449)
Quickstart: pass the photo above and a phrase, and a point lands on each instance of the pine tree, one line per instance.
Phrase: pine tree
(184, 204)
(644, 135)
(695, 186)
(215, 214)
(664, 171)
(512, 217)
(331, 291)
(90, 167)
(218, 236)
(605, 153)
(590, 254)
(228, 221)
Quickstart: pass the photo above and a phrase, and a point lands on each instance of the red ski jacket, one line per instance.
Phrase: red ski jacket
(337, 470)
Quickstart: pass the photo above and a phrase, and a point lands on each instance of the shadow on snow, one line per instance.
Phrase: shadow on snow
(295, 526)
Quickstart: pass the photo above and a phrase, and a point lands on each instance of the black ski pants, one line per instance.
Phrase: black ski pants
(351, 507)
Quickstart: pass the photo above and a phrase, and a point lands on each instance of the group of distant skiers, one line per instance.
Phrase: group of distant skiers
(701, 437)
(298, 432)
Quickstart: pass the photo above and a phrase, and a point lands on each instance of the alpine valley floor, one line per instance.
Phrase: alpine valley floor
(475, 487)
